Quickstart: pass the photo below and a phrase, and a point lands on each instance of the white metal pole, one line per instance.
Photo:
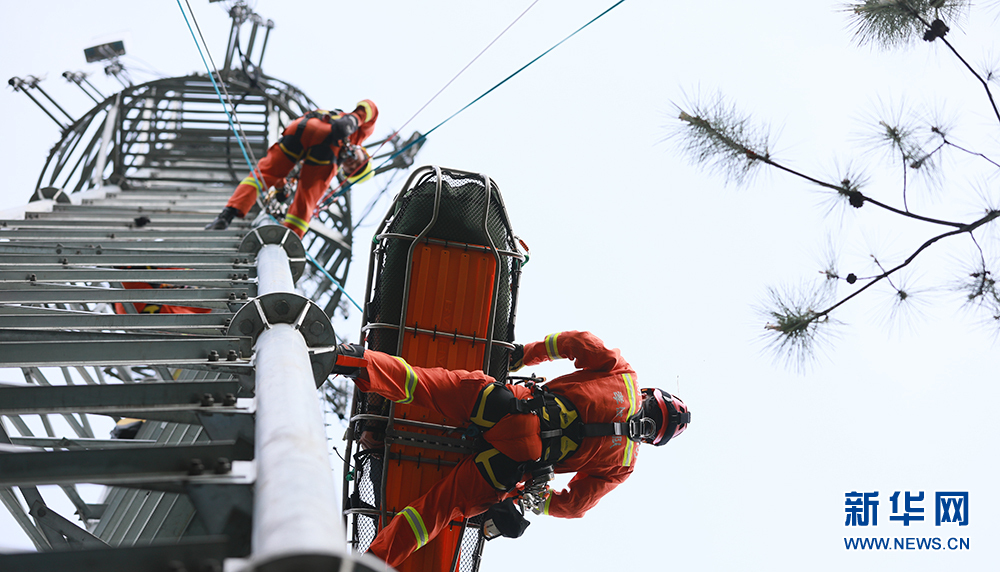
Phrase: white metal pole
(297, 525)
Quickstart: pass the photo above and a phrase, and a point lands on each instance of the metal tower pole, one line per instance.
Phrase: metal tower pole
(296, 515)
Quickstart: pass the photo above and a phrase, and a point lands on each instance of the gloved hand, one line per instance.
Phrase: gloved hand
(350, 360)
(343, 127)
(281, 190)
(516, 359)
(350, 153)
(504, 519)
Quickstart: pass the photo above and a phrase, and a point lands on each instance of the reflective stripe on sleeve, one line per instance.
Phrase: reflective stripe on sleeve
(548, 501)
(417, 524)
(551, 346)
(411, 381)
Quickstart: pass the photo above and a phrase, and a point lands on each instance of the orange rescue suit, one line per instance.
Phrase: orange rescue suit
(603, 390)
(312, 139)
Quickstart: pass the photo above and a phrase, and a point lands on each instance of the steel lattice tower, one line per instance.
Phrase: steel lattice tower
(230, 459)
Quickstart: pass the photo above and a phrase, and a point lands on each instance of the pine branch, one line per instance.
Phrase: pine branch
(725, 147)
(964, 150)
(793, 322)
(716, 136)
(985, 84)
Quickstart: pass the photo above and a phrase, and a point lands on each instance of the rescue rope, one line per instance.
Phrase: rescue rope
(331, 279)
(342, 188)
(334, 193)
(452, 80)
(240, 135)
(322, 270)
(212, 71)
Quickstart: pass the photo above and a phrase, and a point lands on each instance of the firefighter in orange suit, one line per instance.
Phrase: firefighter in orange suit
(577, 423)
(322, 140)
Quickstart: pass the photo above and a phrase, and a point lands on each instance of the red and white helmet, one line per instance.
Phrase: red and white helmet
(668, 412)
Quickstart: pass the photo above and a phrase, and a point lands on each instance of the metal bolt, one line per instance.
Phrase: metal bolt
(243, 296)
(213, 356)
(317, 328)
(232, 355)
(223, 466)
(281, 307)
(229, 399)
(195, 467)
(32, 277)
(232, 295)
(112, 235)
(245, 276)
(207, 400)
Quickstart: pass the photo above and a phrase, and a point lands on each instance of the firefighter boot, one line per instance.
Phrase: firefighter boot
(222, 221)
(350, 360)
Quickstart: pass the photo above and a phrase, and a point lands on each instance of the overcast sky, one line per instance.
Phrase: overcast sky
(655, 256)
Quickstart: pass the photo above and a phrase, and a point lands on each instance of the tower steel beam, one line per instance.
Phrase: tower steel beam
(48, 399)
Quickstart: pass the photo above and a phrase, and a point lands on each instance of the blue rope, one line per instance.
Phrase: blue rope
(424, 136)
(325, 273)
(330, 278)
(222, 100)
(239, 140)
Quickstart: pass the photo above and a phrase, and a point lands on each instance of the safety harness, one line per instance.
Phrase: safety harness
(291, 145)
(562, 430)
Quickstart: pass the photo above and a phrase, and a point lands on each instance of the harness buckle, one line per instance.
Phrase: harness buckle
(640, 428)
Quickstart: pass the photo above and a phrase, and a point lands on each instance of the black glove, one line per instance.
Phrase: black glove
(343, 127)
(504, 519)
(350, 360)
(516, 360)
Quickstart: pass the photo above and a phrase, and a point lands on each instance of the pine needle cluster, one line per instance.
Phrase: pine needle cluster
(715, 134)
(890, 23)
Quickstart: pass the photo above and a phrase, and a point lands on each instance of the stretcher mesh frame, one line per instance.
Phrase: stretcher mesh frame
(455, 210)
